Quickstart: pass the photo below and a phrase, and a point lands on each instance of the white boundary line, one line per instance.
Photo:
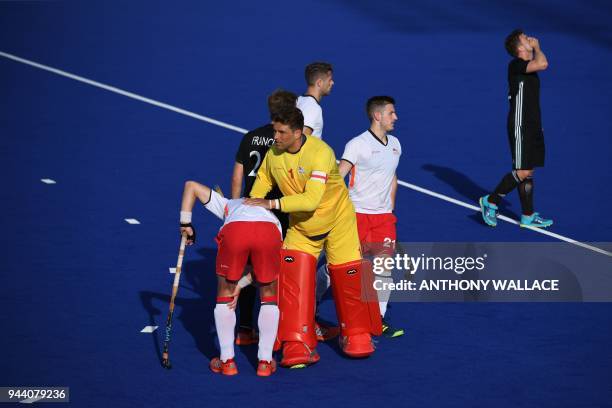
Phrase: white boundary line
(122, 92)
(243, 131)
(503, 217)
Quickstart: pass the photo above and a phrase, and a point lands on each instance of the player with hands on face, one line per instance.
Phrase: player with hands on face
(525, 134)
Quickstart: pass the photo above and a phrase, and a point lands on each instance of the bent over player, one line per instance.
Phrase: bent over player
(372, 158)
(524, 130)
(321, 216)
(246, 231)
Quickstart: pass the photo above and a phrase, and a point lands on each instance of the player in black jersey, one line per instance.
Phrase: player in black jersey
(252, 150)
(524, 129)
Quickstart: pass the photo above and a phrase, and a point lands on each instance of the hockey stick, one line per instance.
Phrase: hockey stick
(177, 276)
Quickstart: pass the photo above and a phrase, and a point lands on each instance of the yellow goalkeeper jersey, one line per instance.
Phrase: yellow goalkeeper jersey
(314, 194)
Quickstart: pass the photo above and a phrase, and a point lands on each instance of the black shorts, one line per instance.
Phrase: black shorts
(527, 147)
(284, 220)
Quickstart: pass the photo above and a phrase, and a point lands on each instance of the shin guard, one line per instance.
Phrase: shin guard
(296, 298)
(356, 300)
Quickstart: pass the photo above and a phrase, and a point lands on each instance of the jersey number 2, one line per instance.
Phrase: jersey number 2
(253, 172)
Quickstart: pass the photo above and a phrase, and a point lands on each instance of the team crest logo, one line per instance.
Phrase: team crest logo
(301, 170)
(395, 151)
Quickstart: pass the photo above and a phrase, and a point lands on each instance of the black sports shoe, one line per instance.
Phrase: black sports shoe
(390, 331)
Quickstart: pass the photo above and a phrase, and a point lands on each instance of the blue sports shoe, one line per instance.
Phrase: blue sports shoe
(534, 220)
(489, 211)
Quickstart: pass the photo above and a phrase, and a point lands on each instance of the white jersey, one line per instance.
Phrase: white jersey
(313, 114)
(371, 176)
(236, 210)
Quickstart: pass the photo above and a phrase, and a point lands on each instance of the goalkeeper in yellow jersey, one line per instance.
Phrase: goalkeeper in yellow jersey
(321, 216)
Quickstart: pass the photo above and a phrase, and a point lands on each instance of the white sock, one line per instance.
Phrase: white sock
(383, 307)
(268, 326)
(225, 321)
(383, 295)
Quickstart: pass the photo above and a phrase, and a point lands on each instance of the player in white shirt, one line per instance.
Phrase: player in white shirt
(319, 81)
(372, 159)
(246, 231)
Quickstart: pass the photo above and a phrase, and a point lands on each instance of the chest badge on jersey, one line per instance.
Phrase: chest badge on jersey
(301, 170)
(395, 151)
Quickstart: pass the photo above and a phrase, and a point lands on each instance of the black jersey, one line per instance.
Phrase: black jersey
(251, 152)
(524, 97)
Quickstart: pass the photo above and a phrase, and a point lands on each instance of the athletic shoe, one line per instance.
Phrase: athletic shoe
(357, 345)
(390, 331)
(325, 332)
(226, 368)
(247, 336)
(489, 211)
(534, 220)
(266, 368)
(298, 355)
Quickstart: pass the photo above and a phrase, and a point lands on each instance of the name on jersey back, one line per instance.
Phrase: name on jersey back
(262, 141)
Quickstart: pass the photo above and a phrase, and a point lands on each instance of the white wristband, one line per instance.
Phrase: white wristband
(185, 217)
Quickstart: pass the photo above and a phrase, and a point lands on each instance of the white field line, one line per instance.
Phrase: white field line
(122, 92)
(243, 131)
(149, 329)
(502, 217)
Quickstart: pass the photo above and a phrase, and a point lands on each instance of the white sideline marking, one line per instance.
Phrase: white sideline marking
(503, 217)
(48, 181)
(149, 329)
(243, 131)
(132, 221)
(172, 270)
(122, 92)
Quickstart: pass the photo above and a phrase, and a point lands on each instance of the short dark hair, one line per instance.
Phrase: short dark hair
(290, 116)
(512, 42)
(377, 103)
(280, 99)
(316, 70)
